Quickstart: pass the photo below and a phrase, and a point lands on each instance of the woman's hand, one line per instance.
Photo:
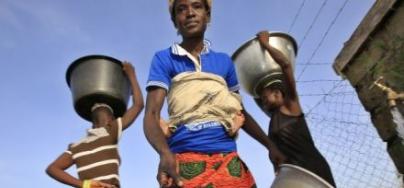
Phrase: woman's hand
(168, 171)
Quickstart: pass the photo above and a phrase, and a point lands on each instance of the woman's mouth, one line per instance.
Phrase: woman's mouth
(191, 24)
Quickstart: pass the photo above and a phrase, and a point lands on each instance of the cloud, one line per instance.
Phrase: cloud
(48, 18)
(5, 175)
(8, 20)
(8, 17)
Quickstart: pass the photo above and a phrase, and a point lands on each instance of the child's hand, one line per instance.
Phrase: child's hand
(128, 68)
(263, 37)
(277, 157)
(98, 184)
(164, 127)
(238, 121)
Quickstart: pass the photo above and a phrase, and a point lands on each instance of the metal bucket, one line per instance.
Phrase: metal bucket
(98, 79)
(292, 176)
(255, 67)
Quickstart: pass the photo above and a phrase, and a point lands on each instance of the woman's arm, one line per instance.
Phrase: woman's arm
(167, 170)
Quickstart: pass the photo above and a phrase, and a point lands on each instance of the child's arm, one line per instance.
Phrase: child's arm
(57, 168)
(282, 61)
(252, 128)
(137, 97)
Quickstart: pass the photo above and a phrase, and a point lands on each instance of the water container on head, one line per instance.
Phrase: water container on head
(255, 68)
(98, 79)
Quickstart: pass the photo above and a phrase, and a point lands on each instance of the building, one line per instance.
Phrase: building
(375, 54)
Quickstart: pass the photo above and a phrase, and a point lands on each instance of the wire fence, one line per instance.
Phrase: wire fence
(341, 128)
(343, 132)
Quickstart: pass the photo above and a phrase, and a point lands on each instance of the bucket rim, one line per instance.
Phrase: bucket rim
(275, 33)
(259, 84)
(308, 172)
(78, 61)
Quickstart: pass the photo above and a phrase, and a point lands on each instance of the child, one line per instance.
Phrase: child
(96, 156)
(288, 128)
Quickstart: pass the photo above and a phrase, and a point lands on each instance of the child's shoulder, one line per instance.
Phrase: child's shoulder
(115, 122)
(115, 127)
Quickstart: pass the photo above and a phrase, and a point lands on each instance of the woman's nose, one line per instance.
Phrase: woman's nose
(190, 12)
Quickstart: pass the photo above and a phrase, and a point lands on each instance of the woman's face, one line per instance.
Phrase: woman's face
(191, 17)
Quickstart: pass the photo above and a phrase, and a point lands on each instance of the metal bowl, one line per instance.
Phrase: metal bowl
(255, 67)
(98, 79)
(292, 176)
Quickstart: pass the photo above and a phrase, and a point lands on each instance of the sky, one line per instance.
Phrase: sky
(39, 39)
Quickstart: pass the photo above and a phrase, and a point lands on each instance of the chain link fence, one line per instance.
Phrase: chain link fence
(343, 132)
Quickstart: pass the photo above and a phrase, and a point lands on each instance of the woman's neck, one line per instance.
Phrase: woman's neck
(193, 45)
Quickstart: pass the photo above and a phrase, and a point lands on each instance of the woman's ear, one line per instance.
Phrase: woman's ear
(174, 23)
(208, 14)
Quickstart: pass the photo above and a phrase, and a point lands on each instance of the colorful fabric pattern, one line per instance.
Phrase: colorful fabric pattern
(223, 170)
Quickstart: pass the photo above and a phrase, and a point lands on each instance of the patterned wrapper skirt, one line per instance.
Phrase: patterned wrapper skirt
(222, 170)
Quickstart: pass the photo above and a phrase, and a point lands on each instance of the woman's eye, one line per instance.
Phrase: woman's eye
(198, 6)
(181, 9)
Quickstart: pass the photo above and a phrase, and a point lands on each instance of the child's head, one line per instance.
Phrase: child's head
(272, 95)
(101, 114)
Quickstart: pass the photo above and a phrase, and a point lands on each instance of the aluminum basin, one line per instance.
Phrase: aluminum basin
(255, 67)
(98, 79)
(292, 176)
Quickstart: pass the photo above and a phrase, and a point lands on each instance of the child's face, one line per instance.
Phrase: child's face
(271, 99)
(102, 116)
